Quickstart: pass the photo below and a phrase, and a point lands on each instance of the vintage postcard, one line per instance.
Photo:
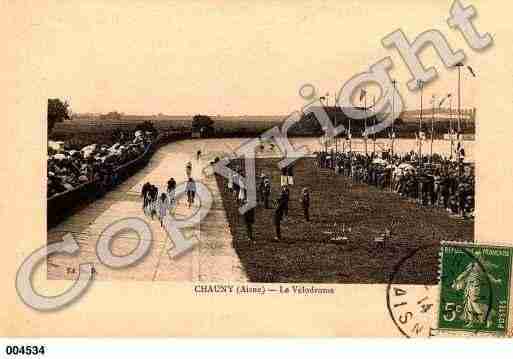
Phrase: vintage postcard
(308, 168)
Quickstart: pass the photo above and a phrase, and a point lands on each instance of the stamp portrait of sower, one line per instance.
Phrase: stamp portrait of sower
(474, 288)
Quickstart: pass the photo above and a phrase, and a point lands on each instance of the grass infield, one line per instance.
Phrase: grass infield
(307, 252)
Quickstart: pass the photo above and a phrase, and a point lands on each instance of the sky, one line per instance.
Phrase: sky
(230, 57)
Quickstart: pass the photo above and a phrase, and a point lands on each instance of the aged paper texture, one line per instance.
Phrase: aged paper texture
(307, 168)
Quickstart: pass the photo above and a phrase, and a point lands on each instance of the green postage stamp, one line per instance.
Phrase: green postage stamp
(474, 288)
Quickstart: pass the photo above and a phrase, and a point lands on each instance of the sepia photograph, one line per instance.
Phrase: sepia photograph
(309, 168)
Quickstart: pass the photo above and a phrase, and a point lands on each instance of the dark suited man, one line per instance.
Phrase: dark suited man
(277, 217)
(284, 198)
(249, 219)
(146, 188)
(305, 202)
(267, 192)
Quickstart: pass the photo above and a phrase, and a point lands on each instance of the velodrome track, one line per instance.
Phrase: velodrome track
(212, 260)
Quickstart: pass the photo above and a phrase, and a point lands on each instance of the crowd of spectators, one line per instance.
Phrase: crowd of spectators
(69, 168)
(432, 180)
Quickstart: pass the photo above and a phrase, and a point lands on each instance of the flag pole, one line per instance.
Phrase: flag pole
(350, 146)
(451, 130)
(393, 114)
(365, 121)
(459, 65)
(459, 114)
(323, 101)
(420, 84)
(432, 129)
(374, 113)
(350, 139)
(350, 149)
(336, 124)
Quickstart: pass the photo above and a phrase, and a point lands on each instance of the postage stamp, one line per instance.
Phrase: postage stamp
(475, 285)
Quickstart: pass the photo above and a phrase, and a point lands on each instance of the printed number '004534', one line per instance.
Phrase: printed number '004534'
(25, 349)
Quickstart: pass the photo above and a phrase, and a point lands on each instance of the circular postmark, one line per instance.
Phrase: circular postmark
(416, 310)
(412, 307)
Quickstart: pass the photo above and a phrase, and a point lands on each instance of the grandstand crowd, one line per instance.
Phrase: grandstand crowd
(430, 180)
(69, 168)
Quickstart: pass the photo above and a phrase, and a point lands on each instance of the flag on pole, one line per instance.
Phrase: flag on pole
(471, 70)
(363, 93)
(443, 100)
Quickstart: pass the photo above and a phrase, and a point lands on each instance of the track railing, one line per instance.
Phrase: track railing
(63, 204)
